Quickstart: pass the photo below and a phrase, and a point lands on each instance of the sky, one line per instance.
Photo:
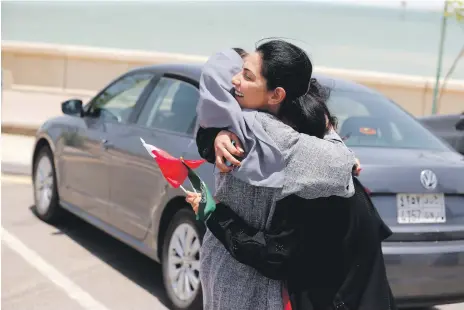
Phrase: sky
(417, 4)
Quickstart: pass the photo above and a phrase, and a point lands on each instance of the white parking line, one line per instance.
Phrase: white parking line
(69, 287)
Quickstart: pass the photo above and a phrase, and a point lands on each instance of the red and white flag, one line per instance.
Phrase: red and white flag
(173, 169)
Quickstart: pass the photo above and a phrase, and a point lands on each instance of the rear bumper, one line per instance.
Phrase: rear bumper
(425, 273)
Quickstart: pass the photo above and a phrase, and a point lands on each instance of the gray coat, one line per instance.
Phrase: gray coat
(313, 168)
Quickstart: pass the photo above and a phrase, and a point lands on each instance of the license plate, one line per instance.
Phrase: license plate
(421, 208)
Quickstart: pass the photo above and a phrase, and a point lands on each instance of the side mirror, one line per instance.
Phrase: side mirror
(72, 107)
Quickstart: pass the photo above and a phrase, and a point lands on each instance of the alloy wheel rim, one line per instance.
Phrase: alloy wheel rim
(43, 185)
(184, 262)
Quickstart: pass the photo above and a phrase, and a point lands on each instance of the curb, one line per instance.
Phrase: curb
(23, 130)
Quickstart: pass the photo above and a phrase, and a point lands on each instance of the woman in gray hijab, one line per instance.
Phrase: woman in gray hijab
(273, 83)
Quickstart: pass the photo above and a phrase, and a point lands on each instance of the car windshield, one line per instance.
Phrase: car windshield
(370, 119)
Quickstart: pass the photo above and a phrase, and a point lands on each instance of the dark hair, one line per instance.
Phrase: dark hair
(304, 107)
(240, 51)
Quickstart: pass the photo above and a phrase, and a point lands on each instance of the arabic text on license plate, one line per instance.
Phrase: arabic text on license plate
(421, 208)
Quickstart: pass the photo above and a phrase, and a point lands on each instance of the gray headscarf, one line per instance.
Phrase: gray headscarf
(263, 163)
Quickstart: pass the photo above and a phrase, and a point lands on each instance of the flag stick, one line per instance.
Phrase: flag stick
(192, 186)
(182, 188)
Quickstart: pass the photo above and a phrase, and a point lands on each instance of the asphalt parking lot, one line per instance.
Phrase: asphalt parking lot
(72, 266)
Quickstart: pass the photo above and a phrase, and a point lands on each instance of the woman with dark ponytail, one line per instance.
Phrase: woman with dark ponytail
(289, 211)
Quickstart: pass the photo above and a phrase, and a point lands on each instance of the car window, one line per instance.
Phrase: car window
(370, 119)
(171, 106)
(118, 101)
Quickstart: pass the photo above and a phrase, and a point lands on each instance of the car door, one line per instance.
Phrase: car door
(166, 121)
(85, 161)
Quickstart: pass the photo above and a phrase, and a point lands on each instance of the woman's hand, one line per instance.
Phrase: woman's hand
(194, 200)
(225, 150)
(357, 168)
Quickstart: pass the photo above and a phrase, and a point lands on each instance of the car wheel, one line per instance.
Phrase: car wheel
(181, 261)
(45, 191)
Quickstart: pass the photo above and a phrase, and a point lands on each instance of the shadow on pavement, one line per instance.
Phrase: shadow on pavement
(135, 266)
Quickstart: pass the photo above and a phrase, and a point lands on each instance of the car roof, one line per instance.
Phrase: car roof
(193, 72)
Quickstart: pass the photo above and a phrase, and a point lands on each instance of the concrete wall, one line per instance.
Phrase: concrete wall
(81, 71)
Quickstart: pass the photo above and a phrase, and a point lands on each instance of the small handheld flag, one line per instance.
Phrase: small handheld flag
(173, 169)
(176, 170)
(207, 203)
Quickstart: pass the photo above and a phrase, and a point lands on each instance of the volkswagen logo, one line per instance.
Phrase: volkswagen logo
(428, 179)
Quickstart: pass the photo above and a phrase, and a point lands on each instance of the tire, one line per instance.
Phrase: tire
(188, 265)
(46, 202)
